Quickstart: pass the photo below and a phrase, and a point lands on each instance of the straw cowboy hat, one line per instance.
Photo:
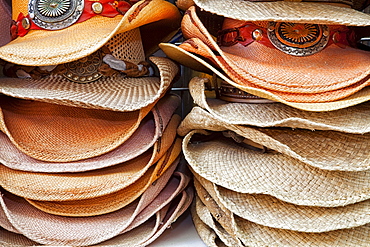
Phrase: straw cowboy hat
(84, 185)
(244, 170)
(116, 200)
(56, 33)
(329, 150)
(5, 21)
(257, 235)
(36, 225)
(150, 129)
(269, 211)
(263, 70)
(280, 115)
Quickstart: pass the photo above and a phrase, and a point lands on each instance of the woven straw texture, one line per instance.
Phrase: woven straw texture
(252, 234)
(119, 199)
(329, 150)
(269, 211)
(82, 39)
(195, 62)
(149, 130)
(5, 21)
(356, 120)
(303, 12)
(83, 185)
(227, 164)
(53, 132)
(314, 79)
(37, 225)
(116, 93)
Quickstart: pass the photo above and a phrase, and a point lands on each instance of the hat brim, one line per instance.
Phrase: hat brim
(195, 62)
(41, 48)
(250, 171)
(286, 11)
(150, 129)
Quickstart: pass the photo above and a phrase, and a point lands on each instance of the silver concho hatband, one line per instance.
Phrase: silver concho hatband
(298, 39)
(55, 14)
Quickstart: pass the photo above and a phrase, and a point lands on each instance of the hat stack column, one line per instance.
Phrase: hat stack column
(89, 153)
(278, 138)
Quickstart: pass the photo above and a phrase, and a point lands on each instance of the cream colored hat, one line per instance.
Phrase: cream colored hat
(228, 164)
(37, 225)
(257, 235)
(150, 129)
(76, 29)
(280, 115)
(84, 185)
(329, 150)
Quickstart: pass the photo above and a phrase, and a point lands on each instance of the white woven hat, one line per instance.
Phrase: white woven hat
(324, 149)
(228, 164)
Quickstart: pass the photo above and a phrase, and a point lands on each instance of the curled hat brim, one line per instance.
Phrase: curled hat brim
(40, 47)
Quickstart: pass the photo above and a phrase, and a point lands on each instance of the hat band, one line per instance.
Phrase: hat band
(295, 39)
(42, 17)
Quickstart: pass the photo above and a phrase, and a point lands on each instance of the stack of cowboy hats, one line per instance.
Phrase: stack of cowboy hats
(89, 153)
(280, 150)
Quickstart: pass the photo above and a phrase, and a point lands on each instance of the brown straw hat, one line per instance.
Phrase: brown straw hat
(235, 167)
(150, 129)
(119, 199)
(357, 119)
(84, 185)
(69, 33)
(324, 149)
(263, 70)
(77, 231)
(57, 133)
(257, 235)
(116, 92)
(5, 21)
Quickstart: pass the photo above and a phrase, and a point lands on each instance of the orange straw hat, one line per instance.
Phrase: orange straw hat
(267, 64)
(5, 21)
(150, 129)
(52, 32)
(50, 229)
(84, 185)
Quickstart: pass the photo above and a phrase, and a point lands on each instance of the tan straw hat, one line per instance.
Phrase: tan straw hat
(356, 120)
(76, 231)
(235, 167)
(84, 185)
(260, 68)
(116, 92)
(57, 133)
(75, 29)
(150, 129)
(116, 200)
(324, 149)
(257, 235)
(5, 21)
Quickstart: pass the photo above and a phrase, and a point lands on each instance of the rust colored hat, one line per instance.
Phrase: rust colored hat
(150, 129)
(52, 32)
(260, 68)
(84, 185)
(5, 21)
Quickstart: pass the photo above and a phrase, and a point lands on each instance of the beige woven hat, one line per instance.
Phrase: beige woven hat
(81, 231)
(76, 31)
(119, 199)
(5, 21)
(329, 150)
(280, 115)
(258, 235)
(228, 164)
(84, 185)
(150, 129)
